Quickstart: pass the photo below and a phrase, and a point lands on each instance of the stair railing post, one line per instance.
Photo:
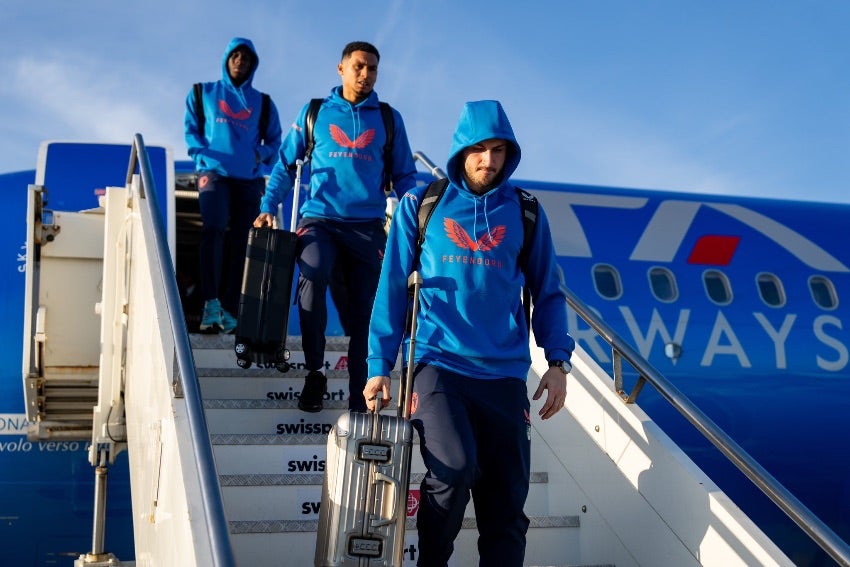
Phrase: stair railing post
(97, 557)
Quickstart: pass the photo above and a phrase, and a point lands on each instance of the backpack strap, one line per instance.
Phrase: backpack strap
(265, 109)
(389, 129)
(199, 107)
(529, 205)
(432, 196)
(309, 124)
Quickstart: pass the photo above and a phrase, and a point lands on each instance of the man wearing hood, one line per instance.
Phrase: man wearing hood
(342, 218)
(469, 401)
(229, 152)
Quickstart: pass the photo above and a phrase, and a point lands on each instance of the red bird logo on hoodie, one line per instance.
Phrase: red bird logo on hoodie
(241, 115)
(484, 244)
(343, 140)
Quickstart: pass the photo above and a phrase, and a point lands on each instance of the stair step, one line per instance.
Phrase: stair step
(469, 523)
(236, 373)
(70, 391)
(217, 351)
(266, 387)
(254, 548)
(264, 404)
(264, 439)
(307, 479)
(67, 419)
(271, 421)
(297, 502)
(53, 406)
(200, 341)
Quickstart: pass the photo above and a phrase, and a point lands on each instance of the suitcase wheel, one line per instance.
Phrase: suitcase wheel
(243, 352)
(281, 357)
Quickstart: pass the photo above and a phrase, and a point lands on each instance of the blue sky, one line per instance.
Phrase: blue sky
(737, 97)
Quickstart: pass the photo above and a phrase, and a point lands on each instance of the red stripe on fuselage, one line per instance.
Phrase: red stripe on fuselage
(714, 250)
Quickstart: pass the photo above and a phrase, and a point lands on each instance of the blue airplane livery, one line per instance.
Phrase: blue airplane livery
(740, 302)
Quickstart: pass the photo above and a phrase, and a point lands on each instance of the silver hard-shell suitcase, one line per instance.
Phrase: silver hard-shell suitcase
(363, 514)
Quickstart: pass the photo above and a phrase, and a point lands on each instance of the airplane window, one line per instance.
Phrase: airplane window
(607, 281)
(770, 290)
(663, 284)
(717, 287)
(823, 292)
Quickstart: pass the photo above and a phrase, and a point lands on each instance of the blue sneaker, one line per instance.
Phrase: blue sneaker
(211, 322)
(228, 322)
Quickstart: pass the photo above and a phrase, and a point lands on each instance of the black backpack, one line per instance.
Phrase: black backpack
(389, 127)
(529, 205)
(199, 110)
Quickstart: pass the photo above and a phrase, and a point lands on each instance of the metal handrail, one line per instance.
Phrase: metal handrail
(434, 169)
(813, 526)
(187, 379)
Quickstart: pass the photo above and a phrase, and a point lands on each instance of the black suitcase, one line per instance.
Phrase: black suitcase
(263, 318)
(363, 514)
(261, 325)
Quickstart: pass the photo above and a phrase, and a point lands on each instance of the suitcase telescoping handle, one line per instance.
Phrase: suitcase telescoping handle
(296, 193)
(414, 282)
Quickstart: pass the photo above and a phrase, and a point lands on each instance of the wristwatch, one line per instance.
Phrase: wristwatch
(561, 365)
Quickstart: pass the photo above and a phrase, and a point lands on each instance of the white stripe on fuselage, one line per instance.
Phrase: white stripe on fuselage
(668, 227)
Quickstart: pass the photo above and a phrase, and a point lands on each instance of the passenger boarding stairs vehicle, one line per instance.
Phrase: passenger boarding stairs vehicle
(225, 470)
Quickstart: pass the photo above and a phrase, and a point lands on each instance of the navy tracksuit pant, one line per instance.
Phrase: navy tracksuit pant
(475, 440)
(225, 201)
(358, 250)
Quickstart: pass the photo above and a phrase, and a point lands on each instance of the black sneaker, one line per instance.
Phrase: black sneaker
(315, 386)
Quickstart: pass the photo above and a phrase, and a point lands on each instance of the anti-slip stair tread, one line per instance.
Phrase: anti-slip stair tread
(300, 479)
(309, 479)
(227, 342)
(280, 526)
(255, 372)
(274, 439)
(216, 404)
(269, 439)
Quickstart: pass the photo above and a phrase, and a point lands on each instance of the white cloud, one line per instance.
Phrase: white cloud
(73, 98)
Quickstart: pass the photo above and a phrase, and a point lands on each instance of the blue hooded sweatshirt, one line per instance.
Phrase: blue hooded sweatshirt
(347, 164)
(471, 318)
(231, 139)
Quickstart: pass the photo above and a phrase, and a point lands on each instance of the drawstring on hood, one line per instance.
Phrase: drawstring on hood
(480, 121)
(355, 120)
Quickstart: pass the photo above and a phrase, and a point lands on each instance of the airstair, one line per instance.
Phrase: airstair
(225, 470)
(270, 459)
